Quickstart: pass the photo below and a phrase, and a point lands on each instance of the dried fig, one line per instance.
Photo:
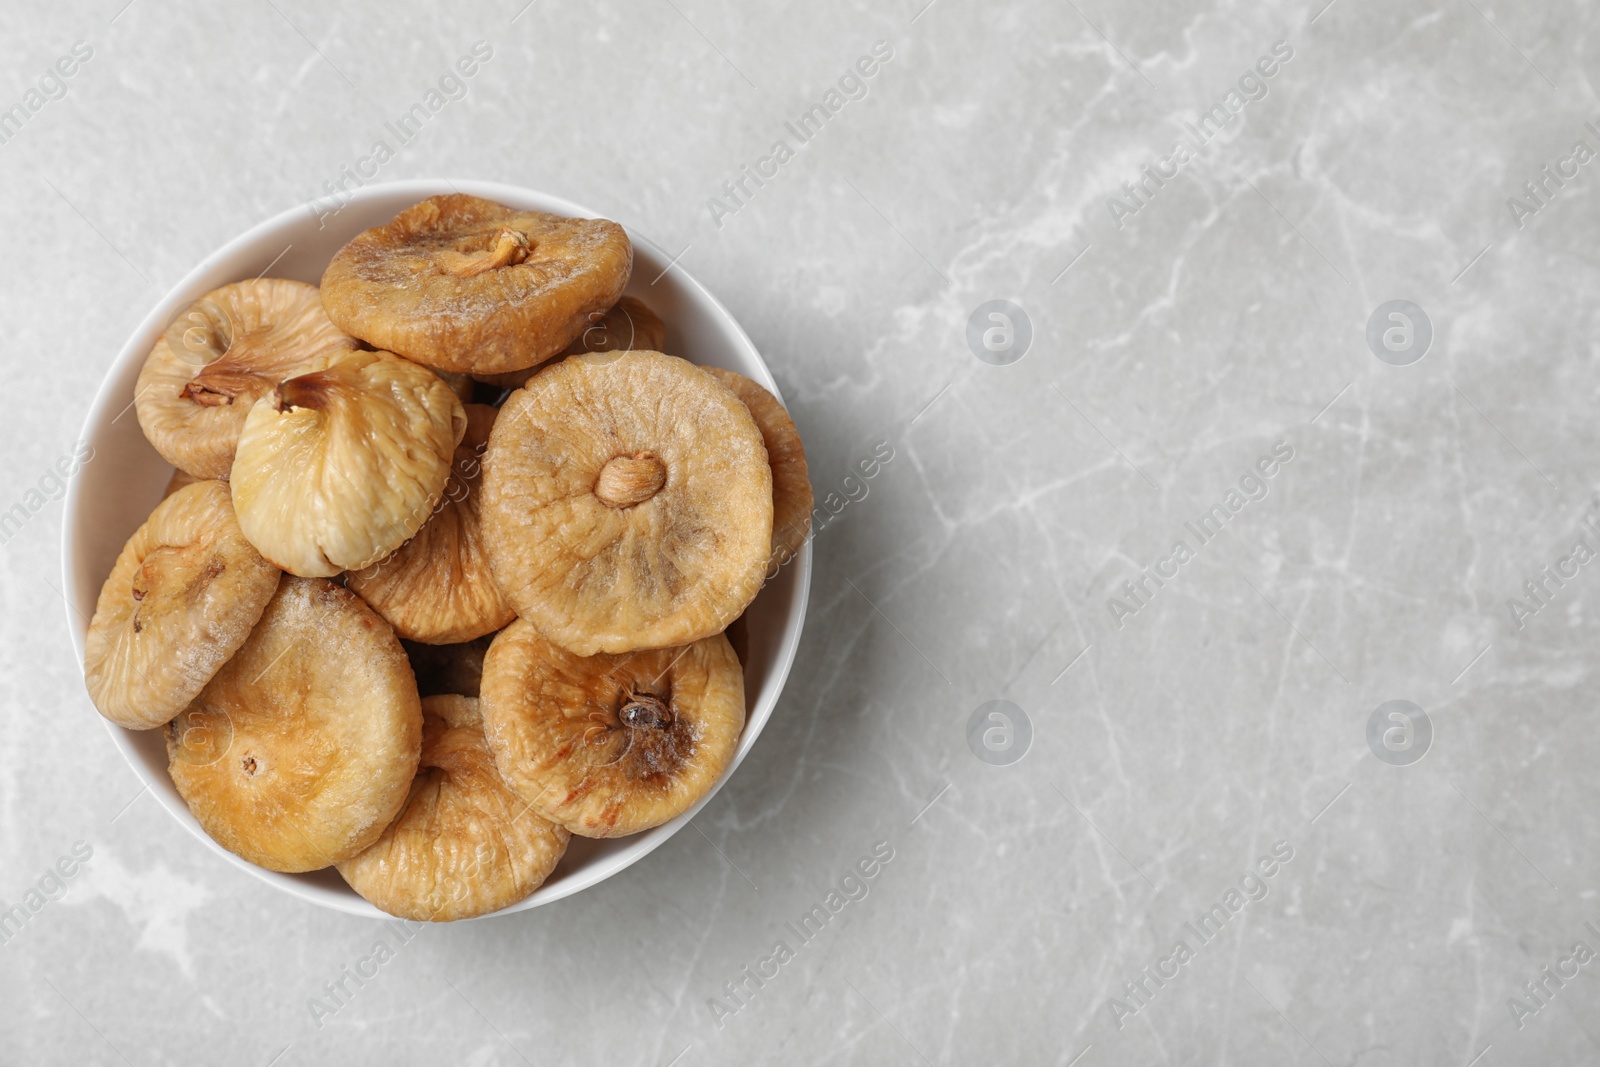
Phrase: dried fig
(792, 498)
(628, 325)
(437, 588)
(339, 466)
(448, 670)
(302, 749)
(610, 745)
(182, 598)
(627, 503)
(468, 285)
(224, 352)
(465, 844)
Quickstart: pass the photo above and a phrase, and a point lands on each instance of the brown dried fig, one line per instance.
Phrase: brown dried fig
(792, 498)
(448, 670)
(467, 285)
(628, 325)
(437, 588)
(611, 745)
(180, 601)
(223, 353)
(339, 466)
(302, 749)
(627, 503)
(465, 844)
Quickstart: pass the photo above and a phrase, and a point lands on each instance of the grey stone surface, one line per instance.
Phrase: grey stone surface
(1173, 743)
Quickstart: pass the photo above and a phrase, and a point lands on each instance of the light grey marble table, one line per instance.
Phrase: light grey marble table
(1200, 215)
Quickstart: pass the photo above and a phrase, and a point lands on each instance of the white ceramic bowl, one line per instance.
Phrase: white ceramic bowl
(112, 495)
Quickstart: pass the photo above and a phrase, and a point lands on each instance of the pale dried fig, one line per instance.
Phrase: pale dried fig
(467, 285)
(302, 749)
(181, 599)
(611, 745)
(339, 466)
(628, 325)
(792, 498)
(465, 843)
(219, 356)
(627, 503)
(448, 670)
(437, 588)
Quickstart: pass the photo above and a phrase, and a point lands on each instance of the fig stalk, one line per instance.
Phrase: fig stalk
(510, 248)
(629, 480)
(645, 711)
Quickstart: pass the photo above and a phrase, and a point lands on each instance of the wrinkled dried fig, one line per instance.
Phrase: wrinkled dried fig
(468, 285)
(465, 844)
(628, 325)
(627, 503)
(611, 745)
(224, 352)
(339, 466)
(792, 498)
(181, 599)
(448, 670)
(302, 749)
(437, 588)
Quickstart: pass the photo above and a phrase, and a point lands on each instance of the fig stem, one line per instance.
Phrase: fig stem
(645, 711)
(628, 480)
(511, 247)
(204, 396)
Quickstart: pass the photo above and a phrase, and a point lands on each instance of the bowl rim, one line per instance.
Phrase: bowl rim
(184, 290)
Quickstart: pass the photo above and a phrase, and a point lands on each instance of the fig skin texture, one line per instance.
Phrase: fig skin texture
(627, 503)
(611, 745)
(792, 497)
(340, 466)
(182, 598)
(437, 588)
(467, 285)
(628, 326)
(303, 748)
(220, 355)
(465, 845)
